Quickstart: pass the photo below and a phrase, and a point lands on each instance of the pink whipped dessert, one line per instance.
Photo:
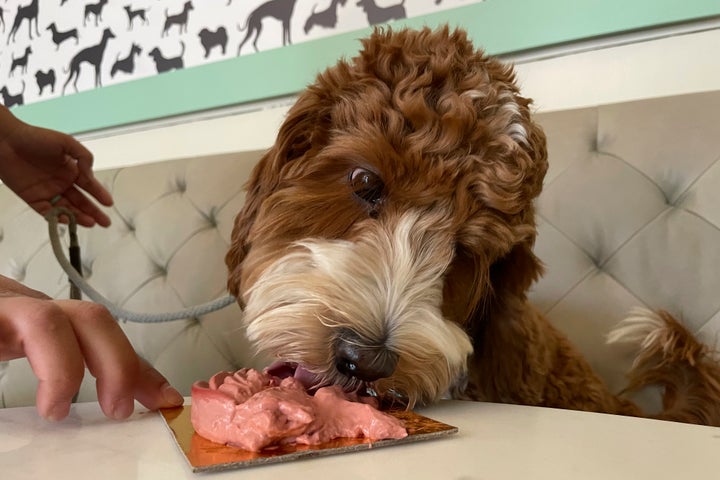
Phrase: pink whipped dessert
(253, 410)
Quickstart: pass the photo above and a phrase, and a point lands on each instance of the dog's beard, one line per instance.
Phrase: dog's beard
(386, 286)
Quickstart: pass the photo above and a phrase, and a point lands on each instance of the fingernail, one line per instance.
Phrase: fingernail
(57, 412)
(122, 408)
(171, 395)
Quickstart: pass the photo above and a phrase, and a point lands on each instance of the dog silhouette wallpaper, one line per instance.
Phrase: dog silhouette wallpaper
(60, 47)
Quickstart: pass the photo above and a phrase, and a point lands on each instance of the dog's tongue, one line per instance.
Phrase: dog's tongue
(312, 382)
(291, 369)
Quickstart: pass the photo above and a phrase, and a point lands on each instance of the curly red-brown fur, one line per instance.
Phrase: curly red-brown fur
(446, 130)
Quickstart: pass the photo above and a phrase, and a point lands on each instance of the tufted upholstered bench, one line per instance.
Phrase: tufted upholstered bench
(171, 226)
(630, 215)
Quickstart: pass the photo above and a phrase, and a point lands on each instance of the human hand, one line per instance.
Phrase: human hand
(61, 337)
(40, 165)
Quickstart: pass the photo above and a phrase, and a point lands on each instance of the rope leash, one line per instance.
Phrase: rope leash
(77, 281)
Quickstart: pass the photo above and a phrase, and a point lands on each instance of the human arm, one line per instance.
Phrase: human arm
(40, 165)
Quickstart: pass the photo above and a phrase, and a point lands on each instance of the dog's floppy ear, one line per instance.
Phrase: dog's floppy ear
(513, 274)
(302, 133)
(473, 291)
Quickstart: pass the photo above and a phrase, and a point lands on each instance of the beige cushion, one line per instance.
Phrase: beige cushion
(165, 250)
(630, 216)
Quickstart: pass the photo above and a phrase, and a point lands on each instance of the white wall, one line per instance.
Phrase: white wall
(568, 77)
(655, 68)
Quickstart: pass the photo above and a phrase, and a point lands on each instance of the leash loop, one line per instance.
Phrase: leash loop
(52, 217)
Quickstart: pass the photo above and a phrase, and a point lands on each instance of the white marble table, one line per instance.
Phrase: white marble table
(494, 442)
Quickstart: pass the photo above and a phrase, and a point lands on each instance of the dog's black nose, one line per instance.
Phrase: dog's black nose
(367, 363)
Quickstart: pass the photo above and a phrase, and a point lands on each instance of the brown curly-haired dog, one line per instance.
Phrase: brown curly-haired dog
(387, 238)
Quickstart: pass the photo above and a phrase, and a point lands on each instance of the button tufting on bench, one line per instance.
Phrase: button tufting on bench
(211, 217)
(164, 251)
(181, 185)
(629, 216)
(635, 223)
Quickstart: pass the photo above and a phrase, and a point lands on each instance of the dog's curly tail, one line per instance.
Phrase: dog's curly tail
(671, 357)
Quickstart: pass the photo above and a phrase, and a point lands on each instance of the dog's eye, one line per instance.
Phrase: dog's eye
(366, 186)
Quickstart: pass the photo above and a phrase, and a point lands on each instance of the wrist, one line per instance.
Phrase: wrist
(9, 124)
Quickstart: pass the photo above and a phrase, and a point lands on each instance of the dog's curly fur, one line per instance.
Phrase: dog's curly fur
(395, 214)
